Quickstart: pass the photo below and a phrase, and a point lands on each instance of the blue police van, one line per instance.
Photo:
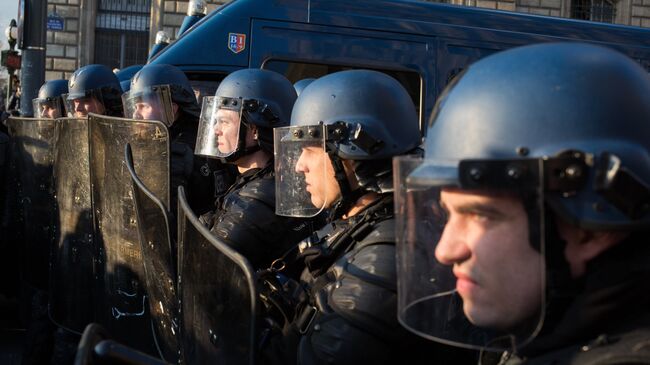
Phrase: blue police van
(422, 44)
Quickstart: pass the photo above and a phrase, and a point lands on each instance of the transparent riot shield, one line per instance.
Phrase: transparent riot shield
(32, 142)
(159, 263)
(218, 296)
(72, 276)
(122, 307)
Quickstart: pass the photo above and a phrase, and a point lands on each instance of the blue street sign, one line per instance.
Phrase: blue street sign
(54, 22)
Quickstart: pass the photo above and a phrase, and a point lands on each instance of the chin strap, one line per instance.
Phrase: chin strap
(348, 196)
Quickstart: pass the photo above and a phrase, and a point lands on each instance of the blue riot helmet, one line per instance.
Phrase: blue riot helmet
(360, 118)
(49, 103)
(300, 85)
(162, 41)
(125, 75)
(126, 85)
(196, 10)
(245, 97)
(521, 140)
(93, 89)
(160, 92)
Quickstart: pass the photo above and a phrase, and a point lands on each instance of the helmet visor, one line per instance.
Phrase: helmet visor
(219, 127)
(47, 108)
(155, 103)
(303, 171)
(80, 106)
(470, 253)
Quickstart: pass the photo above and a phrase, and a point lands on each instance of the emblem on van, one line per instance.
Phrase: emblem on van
(236, 42)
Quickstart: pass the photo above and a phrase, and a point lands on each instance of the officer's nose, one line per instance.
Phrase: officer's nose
(451, 248)
(301, 165)
(137, 113)
(217, 129)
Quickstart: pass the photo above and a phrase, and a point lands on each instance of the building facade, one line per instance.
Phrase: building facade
(119, 33)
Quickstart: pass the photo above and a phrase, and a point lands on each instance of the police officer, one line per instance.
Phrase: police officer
(237, 128)
(50, 103)
(526, 224)
(336, 156)
(94, 89)
(163, 92)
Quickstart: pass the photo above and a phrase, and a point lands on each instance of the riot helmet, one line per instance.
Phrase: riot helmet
(125, 75)
(300, 85)
(522, 141)
(359, 117)
(245, 98)
(160, 92)
(49, 103)
(93, 89)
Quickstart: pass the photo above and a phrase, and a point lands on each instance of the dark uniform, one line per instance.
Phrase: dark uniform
(245, 216)
(342, 308)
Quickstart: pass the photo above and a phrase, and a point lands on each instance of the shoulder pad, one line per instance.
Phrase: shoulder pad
(382, 232)
(261, 188)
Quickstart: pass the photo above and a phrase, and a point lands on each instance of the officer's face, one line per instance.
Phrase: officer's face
(498, 273)
(227, 130)
(84, 106)
(317, 167)
(147, 111)
(47, 111)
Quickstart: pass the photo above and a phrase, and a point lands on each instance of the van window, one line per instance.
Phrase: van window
(205, 84)
(296, 71)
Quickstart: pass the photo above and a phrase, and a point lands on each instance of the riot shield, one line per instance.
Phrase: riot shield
(72, 286)
(122, 304)
(159, 264)
(31, 150)
(218, 296)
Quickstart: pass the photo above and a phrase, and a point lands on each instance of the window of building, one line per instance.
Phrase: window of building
(594, 10)
(122, 32)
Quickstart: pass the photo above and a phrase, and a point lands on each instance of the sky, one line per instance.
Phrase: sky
(8, 11)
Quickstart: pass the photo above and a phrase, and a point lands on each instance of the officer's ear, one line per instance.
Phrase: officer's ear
(582, 245)
(252, 137)
(175, 110)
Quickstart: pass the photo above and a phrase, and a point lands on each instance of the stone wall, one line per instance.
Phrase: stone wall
(63, 46)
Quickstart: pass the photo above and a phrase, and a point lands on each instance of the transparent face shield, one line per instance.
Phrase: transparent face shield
(152, 104)
(219, 127)
(470, 251)
(304, 175)
(80, 107)
(47, 108)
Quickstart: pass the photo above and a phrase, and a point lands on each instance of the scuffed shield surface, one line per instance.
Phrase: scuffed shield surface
(72, 277)
(218, 296)
(122, 306)
(159, 259)
(32, 142)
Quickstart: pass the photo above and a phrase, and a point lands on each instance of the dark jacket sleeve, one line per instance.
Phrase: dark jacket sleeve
(247, 222)
(356, 321)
